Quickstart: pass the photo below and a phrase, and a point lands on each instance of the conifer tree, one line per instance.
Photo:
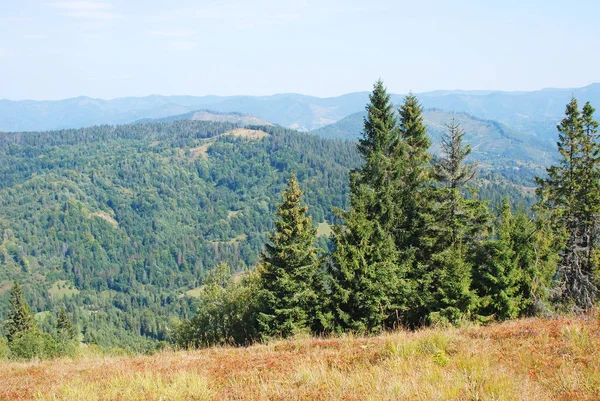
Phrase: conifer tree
(414, 189)
(460, 220)
(515, 268)
(570, 195)
(456, 231)
(589, 197)
(288, 277)
(383, 160)
(64, 325)
(365, 278)
(499, 276)
(20, 319)
(365, 269)
(380, 129)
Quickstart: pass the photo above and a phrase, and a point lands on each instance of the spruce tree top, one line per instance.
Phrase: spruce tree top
(451, 168)
(292, 242)
(412, 127)
(380, 126)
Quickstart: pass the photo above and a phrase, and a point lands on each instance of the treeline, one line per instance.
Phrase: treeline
(416, 245)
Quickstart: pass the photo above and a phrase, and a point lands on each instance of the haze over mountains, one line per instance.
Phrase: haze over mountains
(534, 113)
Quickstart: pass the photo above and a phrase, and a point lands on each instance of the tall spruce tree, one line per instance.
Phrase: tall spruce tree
(288, 276)
(457, 229)
(383, 161)
(20, 320)
(414, 192)
(570, 195)
(460, 220)
(590, 191)
(414, 189)
(367, 276)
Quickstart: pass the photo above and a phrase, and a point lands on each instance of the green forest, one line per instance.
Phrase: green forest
(198, 233)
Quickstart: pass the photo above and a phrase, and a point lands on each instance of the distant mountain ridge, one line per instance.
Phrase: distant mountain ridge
(490, 140)
(209, 115)
(534, 113)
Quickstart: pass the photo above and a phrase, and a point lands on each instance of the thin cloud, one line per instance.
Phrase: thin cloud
(14, 19)
(36, 36)
(173, 34)
(182, 44)
(87, 10)
(123, 77)
(6, 53)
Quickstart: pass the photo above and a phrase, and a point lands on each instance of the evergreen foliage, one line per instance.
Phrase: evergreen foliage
(365, 278)
(178, 203)
(64, 326)
(288, 272)
(570, 194)
(124, 222)
(458, 227)
(365, 269)
(515, 267)
(413, 190)
(20, 320)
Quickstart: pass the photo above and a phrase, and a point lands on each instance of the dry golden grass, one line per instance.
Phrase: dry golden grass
(530, 359)
(247, 133)
(200, 151)
(105, 216)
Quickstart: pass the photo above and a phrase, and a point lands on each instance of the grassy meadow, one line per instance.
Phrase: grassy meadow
(531, 359)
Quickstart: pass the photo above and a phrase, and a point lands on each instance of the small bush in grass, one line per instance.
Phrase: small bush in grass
(34, 344)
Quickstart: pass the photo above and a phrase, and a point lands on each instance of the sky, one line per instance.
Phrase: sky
(115, 48)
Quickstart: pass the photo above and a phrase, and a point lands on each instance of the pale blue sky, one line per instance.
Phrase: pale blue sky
(114, 48)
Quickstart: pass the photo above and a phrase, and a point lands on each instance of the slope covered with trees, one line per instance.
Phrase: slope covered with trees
(120, 224)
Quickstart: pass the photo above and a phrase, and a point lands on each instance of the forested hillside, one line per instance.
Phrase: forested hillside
(119, 224)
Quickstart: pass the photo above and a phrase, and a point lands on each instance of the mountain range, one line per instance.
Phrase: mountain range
(534, 113)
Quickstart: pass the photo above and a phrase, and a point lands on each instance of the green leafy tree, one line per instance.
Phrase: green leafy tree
(453, 298)
(415, 193)
(589, 196)
(20, 319)
(226, 314)
(570, 196)
(288, 288)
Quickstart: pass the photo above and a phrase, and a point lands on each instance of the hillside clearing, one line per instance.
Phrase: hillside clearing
(530, 359)
(247, 133)
(62, 288)
(324, 229)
